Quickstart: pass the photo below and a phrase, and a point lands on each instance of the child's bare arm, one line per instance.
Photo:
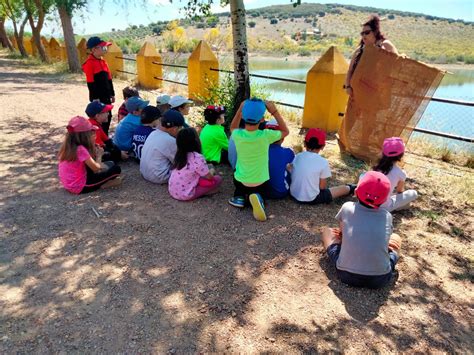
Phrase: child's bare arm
(323, 183)
(237, 117)
(281, 122)
(400, 186)
(93, 165)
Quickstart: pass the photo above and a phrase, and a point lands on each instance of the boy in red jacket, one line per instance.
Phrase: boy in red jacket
(98, 76)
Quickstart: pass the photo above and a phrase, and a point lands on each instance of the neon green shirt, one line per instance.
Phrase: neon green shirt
(252, 154)
(213, 140)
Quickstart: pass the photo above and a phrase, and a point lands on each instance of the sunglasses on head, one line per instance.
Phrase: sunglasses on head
(365, 33)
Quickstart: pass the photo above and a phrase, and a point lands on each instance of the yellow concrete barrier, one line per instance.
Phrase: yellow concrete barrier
(325, 100)
(82, 50)
(34, 50)
(28, 46)
(63, 53)
(114, 63)
(146, 70)
(54, 49)
(200, 75)
(46, 46)
(14, 43)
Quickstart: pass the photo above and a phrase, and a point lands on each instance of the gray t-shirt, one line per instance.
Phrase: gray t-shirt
(365, 237)
(158, 154)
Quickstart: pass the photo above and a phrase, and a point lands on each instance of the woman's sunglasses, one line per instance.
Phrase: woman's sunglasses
(365, 33)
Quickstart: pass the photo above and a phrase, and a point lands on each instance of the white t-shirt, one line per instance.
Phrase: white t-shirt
(395, 176)
(158, 154)
(308, 169)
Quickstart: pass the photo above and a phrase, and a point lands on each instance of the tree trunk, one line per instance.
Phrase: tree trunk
(36, 29)
(241, 60)
(19, 41)
(21, 44)
(3, 35)
(69, 40)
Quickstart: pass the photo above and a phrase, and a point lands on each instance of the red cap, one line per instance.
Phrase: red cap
(373, 189)
(393, 147)
(80, 124)
(317, 133)
(107, 108)
(103, 43)
(272, 124)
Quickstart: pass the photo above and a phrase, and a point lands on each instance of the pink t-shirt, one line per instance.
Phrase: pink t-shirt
(182, 183)
(73, 174)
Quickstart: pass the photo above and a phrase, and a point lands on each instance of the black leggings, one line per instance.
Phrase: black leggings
(96, 180)
(244, 191)
(111, 152)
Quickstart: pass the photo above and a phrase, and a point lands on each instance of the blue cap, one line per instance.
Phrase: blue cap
(96, 107)
(135, 103)
(253, 110)
(96, 41)
(172, 118)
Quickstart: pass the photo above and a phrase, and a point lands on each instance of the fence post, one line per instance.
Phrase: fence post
(82, 50)
(46, 47)
(110, 57)
(146, 70)
(54, 49)
(28, 46)
(200, 75)
(325, 99)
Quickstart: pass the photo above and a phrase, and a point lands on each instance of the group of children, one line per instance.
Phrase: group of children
(363, 248)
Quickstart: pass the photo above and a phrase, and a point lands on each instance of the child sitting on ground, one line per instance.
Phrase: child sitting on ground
(213, 138)
(279, 159)
(159, 150)
(309, 173)
(98, 114)
(150, 119)
(363, 248)
(392, 153)
(126, 127)
(251, 177)
(190, 177)
(182, 105)
(128, 92)
(80, 167)
(163, 103)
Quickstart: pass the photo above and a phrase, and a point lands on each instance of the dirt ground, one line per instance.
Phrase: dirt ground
(152, 274)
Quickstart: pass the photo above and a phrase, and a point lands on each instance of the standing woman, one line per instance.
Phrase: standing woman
(371, 36)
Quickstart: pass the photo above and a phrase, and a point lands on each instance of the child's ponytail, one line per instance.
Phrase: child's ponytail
(385, 164)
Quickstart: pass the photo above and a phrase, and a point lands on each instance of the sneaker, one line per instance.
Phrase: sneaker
(237, 201)
(258, 208)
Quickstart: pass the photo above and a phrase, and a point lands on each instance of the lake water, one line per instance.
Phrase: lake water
(442, 117)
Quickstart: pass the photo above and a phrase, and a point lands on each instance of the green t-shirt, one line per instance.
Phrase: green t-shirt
(252, 154)
(213, 140)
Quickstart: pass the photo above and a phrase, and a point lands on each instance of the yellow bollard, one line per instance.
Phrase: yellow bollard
(200, 75)
(146, 70)
(63, 53)
(82, 50)
(34, 50)
(28, 46)
(113, 59)
(14, 43)
(325, 99)
(46, 47)
(54, 49)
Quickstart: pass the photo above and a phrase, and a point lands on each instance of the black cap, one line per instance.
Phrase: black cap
(172, 118)
(96, 41)
(150, 114)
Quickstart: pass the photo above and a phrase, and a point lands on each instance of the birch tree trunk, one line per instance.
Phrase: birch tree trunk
(241, 60)
(69, 41)
(3, 35)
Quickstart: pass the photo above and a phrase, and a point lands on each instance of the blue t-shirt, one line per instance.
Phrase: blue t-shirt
(138, 139)
(125, 130)
(278, 159)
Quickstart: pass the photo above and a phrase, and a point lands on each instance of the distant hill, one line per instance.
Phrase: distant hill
(310, 29)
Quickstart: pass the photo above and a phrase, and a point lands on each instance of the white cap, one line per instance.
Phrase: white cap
(176, 101)
(163, 99)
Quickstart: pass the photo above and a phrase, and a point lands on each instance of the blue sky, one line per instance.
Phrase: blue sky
(96, 18)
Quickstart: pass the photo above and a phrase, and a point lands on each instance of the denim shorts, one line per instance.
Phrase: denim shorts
(357, 280)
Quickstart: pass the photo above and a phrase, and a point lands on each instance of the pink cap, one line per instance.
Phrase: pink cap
(373, 189)
(80, 124)
(393, 147)
(317, 133)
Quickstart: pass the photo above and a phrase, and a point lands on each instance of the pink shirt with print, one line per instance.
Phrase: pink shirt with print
(182, 183)
(73, 174)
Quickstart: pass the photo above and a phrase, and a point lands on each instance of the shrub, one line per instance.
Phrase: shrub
(321, 14)
(391, 17)
(200, 25)
(304, 52)
(252, 24)
(273, 21)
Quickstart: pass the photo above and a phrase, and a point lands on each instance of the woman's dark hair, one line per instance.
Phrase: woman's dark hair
(385, 164)
(187, 141)
(129, 91)
(313, 144)
(374, 23)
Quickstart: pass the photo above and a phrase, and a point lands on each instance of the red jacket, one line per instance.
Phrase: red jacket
(99, 79)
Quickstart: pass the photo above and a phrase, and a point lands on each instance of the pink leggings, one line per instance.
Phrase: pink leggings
(207, 190)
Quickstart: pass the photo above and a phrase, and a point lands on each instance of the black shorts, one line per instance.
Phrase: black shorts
(324, 196)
